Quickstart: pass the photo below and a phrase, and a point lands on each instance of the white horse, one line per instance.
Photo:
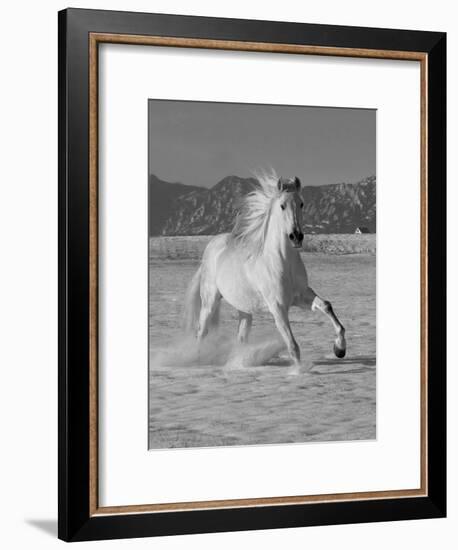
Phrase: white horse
(258, 266)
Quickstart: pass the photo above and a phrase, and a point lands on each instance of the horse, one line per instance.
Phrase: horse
(257, 266)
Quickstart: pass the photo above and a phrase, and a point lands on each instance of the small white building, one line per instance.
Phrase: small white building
(361, 229)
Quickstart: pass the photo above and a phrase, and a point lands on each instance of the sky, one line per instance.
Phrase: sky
(200, 143)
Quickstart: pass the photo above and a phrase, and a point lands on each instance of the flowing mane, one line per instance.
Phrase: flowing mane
(252, 218)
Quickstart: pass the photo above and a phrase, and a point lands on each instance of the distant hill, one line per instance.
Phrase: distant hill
(340, 207)
(177, 209)
(162, 201)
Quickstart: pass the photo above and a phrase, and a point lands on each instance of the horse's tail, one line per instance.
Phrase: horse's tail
(192, 303)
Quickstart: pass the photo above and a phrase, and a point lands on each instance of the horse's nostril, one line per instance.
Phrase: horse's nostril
(291, 236)
(300, 236)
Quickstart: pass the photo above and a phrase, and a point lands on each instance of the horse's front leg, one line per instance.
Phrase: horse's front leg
(280, 315)
(316, 303)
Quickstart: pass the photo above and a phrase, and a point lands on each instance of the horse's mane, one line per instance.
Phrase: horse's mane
(253, 215)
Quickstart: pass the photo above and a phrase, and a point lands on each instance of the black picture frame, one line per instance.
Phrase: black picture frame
(76, 522)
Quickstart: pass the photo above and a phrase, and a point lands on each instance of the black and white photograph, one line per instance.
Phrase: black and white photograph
(229, 266)
(262, 274)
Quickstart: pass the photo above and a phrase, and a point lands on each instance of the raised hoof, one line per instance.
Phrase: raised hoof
(338, 352)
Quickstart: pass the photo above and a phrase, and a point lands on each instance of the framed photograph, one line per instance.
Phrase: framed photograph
(251, 274)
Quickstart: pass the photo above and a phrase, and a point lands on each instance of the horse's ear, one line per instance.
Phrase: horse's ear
(297, 183)
(280, 184)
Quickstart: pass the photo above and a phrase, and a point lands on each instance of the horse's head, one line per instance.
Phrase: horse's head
(289, 203)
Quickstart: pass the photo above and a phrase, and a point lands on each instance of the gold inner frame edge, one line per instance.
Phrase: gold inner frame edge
(160, 41)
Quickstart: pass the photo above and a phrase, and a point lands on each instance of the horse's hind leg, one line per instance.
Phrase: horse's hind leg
(340, 345)
(245, 321)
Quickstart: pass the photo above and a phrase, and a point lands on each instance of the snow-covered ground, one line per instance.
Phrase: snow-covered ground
(199, 398)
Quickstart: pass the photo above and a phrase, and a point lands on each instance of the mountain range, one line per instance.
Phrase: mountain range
(178, 209)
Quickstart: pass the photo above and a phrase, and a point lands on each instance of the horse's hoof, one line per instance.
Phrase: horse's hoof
(294, 370)
(338, 352)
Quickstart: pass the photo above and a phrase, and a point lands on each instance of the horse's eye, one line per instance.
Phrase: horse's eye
(302, 205)
(282, 206)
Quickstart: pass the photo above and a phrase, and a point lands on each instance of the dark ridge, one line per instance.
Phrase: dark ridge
(178, 209)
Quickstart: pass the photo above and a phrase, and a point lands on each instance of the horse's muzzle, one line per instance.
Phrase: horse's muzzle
(296, 238)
